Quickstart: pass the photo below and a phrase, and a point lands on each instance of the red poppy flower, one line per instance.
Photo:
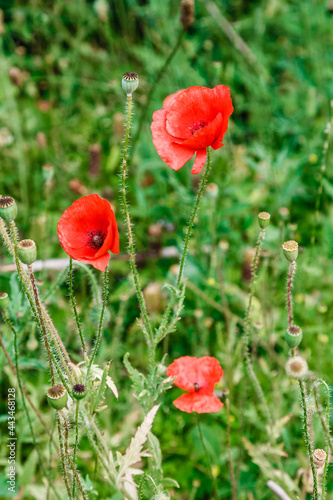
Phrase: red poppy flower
(198, 376)
(190, 122)
(87, 230)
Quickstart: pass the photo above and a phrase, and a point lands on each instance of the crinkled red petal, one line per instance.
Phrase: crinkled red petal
(100, 263)
(199, 162)
(200, 403)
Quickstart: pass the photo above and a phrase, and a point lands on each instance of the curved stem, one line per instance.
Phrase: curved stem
(131, 248)
(78, 324)
(164, 322)
(307, 439)
(100, 326)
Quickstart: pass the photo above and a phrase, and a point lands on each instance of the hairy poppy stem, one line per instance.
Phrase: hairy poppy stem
(143, 308)
(209, 462)
(78, 324)
(76, 444)
(292, 269)
(232, 474)
(161, 332)
(63, 459)
(100, 326)
(308, 439)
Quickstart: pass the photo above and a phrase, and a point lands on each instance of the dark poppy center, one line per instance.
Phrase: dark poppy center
(96, 238)
(196, 387)
(198, 126)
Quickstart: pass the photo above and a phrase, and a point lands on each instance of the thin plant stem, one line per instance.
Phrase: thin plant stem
(307, 438)
(232, 474)
(63, 459)
(158, 77)
(131, 248)
(292, 269)
(76, 443)
(101, 319)
(93, 281)
(70, 461)
(246, 334)
(209, 462)
(164, 322)
(78, 324)
(40, 460)
(325, 423)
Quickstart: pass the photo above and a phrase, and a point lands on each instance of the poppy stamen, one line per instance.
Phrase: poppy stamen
(198, 126)
(196, 387)
(96, 238)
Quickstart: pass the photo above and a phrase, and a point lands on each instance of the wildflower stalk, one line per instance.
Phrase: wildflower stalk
(76, 444)
(131, 248)
(23, 393)
(78, 324)
(153, 87)
(163, 326)
(63, 459)
(292, 269)
(232, 474)
(324, 422)
(209, 462)
(246, 334)
(308, 439)
(100, 326)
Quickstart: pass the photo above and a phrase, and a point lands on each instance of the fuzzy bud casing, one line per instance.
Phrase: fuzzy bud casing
(57, 396)
(294, 336)
(263, 219)
(130, 82)
(290, 250)
(296, 367)
(27, 251)
(8, 208)
(4, 301)
(319, 458)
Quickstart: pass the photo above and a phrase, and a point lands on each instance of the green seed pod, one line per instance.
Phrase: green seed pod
(47, 172)
(4, 301)
(263, 219)
(79, 391)
(290, 250)
(27, 251)
(57, 396)
(130, 82)
(8, 208)
(294, 336)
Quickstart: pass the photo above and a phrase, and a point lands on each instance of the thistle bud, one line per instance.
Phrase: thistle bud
(294, 336)
(57, 396)
(319, 458)
(130, 82)
(8, 208)
(290, 250)
(296, 367)
(263, 219)
(27, 251)
(4, 301)
(79, 391)
(47, 172)
(187, 13)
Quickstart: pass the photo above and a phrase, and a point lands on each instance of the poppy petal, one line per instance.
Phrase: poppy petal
(205, 136)
(171, 153)
(200, 161)
(100, 263)
(194, 401)
(186, 372)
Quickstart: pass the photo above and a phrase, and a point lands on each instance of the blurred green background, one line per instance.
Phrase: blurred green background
(61, 103)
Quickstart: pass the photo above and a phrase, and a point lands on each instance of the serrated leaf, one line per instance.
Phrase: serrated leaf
(137, 378)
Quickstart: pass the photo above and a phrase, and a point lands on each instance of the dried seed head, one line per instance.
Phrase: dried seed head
(294, 336)
(79, 391)
(263, 219)
(296, 367)
(187, 13)
(57, 396)
(130, 82)
(290, 250)
(319, 457)
(8, 208)
(4, 301)
(27, 251)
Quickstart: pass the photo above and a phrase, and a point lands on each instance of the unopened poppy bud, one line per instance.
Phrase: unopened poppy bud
(130, 82)
(47, 172)
(27, 251)
(290, 250)
(284, 213)
(225, 394)
(153, 297)
(296, 367)
(4, 301)
(79, 391)
(263, 219)
(57, 396)
(8, 208)
(294, 336)
(319, 458)
(212, 190)
(187, 13)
